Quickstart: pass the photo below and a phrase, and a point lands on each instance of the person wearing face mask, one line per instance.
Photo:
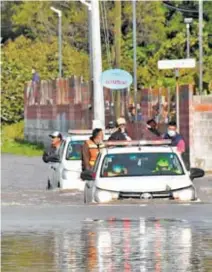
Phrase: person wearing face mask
(120, 134)
(175, 137)
(91, 148)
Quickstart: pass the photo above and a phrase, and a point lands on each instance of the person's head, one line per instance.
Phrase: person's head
(33, 70)
(172, 129)
(133, 111)
(121, 123)
(97, 135)
(151, 124)
(56, 138)
(111, 125)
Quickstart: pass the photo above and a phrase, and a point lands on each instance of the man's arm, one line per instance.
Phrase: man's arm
(49, 156)
(45, 156)
(181, 146)
(85, 156)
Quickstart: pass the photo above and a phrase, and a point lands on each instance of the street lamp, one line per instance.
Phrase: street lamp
(188, 21)
(90, 40)
(59, 13)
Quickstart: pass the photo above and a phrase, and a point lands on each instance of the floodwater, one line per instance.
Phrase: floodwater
(52, 231)
(112, 245)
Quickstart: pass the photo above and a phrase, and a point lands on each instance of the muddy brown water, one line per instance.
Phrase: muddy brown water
(54, 231)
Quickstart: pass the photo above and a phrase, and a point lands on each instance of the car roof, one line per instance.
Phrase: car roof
(133, 149)
(82, 137)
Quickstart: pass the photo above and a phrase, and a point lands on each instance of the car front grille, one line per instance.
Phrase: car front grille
(138, 195)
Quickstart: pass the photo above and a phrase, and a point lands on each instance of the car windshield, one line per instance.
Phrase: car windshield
(141, 164)
(74, 150)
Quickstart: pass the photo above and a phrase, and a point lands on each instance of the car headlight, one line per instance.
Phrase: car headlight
(184, 194)
(105, 196)
(65, 174)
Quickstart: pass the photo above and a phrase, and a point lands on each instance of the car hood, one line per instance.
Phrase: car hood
(143, 184)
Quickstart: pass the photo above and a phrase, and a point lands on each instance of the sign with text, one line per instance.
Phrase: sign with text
(116, 79)
(176, 64)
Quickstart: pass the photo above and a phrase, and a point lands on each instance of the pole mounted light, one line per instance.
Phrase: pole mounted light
(188, 21)
(86, 3)
(59, 13)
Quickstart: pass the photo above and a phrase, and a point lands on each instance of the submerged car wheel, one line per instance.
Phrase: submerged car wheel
(49, 186)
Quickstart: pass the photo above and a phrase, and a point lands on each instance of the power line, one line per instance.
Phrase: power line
(105, 29)
(106, 24)
(180, 9)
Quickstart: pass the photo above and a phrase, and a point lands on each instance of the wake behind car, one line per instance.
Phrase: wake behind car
(140, 170)
(65, 173)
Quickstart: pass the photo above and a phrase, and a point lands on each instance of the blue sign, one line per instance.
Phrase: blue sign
(116, 79)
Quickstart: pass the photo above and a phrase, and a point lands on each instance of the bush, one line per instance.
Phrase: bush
(12, 141)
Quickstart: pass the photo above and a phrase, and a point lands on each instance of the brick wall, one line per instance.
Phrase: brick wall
(201, 132)
(63, 104)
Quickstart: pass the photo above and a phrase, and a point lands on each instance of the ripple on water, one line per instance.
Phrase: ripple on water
(112, 245)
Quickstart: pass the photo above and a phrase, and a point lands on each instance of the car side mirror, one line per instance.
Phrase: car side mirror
(87, 175)
(196, 173)
(54, 159)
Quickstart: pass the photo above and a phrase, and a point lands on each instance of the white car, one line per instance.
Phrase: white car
(146, 170)
(65, 174)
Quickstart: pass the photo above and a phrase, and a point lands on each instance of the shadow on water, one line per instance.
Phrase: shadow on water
(113, 245)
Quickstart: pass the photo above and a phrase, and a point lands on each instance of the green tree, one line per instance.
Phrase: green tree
(20, 56)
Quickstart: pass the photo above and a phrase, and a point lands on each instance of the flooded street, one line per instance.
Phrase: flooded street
(54, 231)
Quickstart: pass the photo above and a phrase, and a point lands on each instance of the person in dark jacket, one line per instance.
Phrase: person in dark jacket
(120, 134)
(51, 154)
(152, 127)
(175, 137)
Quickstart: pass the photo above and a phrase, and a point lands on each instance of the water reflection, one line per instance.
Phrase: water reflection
(113, 245)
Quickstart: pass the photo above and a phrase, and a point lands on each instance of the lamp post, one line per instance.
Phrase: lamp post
(90, 40)
(188, 21)
(59, 13)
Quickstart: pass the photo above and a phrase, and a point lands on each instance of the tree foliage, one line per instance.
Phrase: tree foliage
(20, 56)
(30, 29)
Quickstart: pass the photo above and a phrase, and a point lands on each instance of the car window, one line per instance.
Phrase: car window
(141, 164)
(74, 150)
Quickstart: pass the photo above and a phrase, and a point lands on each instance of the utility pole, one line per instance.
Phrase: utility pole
(99, 107)
(135, 57)
(117, 52)
(200, 46)
(59, 13)
(90, 48)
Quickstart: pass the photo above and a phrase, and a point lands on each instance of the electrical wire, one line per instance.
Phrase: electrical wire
(108, 40)
(180, 9)
(105, 29)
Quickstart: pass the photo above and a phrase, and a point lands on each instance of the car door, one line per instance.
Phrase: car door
(89, 186)
(58, 166)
